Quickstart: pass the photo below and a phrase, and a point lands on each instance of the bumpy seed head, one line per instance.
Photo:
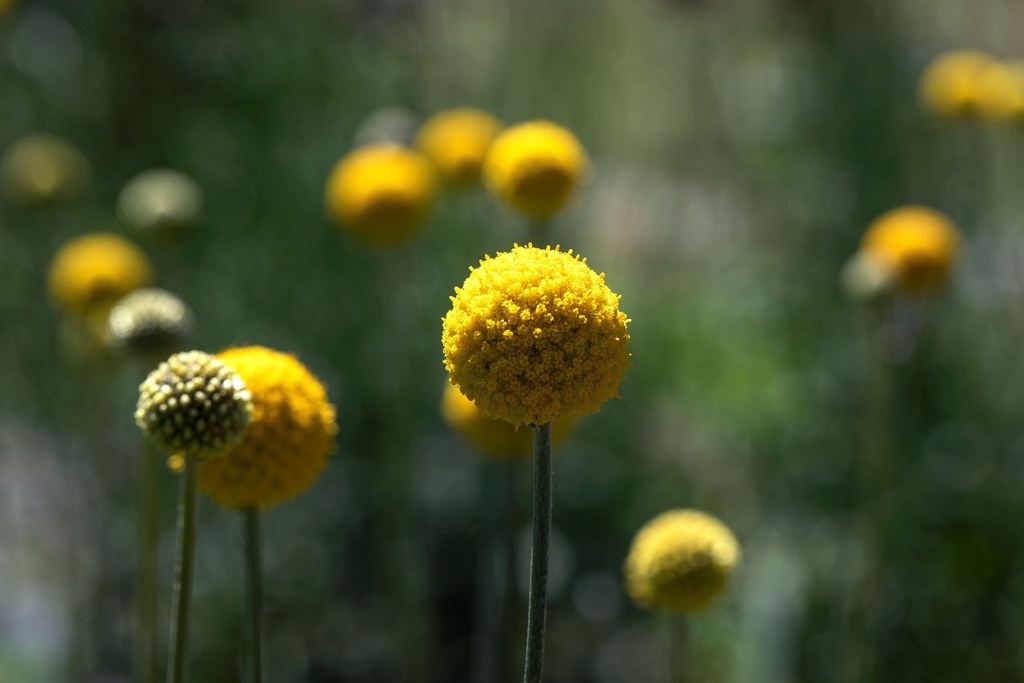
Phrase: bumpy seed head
(382, 193)
(536, 167)
(195, 404)
(149, 322)
(917, 244)
(680, 561)
(949, 84)
(91, 273)
(535, 334)
(160, 200)
(289, 440)
(42, 169)
(457, 141)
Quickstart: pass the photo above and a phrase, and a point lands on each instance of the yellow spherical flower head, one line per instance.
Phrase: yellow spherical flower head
(918, 245)
(457, 141)
(383, 193)
(680, 561)
(289, 441)
(1000, 91)
(39, 169)
(949, 85)
(535, 334)
(493, 437)
(89, 274)
(194, 404)
(535, 167)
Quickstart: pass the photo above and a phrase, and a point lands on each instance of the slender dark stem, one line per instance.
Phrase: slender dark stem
(183, 574)
(539, 232)
(537, 615)
(149, 532)
(677, 642)
(254, 591)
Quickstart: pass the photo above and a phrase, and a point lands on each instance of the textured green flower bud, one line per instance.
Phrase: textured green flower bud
(195, 404)
(149, 321)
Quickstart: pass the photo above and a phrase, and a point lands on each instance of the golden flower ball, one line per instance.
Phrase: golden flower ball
(457, 141)
(680, 561)
(91, 273)
(535, 167)
(194, 404)
(949, 84)
(41, 168)
(919, 245)
(1000, 91)
(289, 440)
(493, 437)
(535, 334)
(149, 321)
(382, 193)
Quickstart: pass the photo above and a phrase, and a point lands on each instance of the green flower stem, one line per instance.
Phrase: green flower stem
(678, 643)
(254, 591)
(537, 615)
(149, 534)
(183, 574)
(539, 232)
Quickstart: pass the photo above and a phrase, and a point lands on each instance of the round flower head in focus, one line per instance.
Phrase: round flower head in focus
(1000, 91)
(194, 404)
(493, 437)
(680, 561)
(40, 169)
(382, 193)
(949, 85)
(535, 334)
(149, 322)
(457, 141)
(288, 442)
(918, 244)
(535, 167)
(160, 200)
(93, 272)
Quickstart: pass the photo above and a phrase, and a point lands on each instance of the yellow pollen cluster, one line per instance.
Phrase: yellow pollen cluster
(916, 244)
(535, 334)
(949, 84)
(457, 141)
(493, 437)
(535, 167)
(290, 438)
(382, 193)
(680, 561)
(91, 273)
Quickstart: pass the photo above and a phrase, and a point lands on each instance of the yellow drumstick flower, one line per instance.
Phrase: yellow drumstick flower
(91, 273)
(917, 244)
(457, 141)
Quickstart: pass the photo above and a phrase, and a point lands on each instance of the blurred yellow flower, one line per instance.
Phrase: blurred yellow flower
(1000, 91)
(917, 244)
(535, 334)
(680, 561)
(5, 6)
(289, 440)
(382, 193)
(493, 437)
(457, 141)
(91, 273)
(39, 169)
(949, 84)
(535, 167)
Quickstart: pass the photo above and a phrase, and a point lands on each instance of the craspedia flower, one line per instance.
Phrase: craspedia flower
(949, 85)
(93, 272)
(457, 141)
(493, 437)
(919, 245)
(149, 321)
(680, 561)
(382, 193)
(40, 169)
(289, 440)
(1000, 91)
(535, 334)
(160, 200)
(195, 404)
(535, 167)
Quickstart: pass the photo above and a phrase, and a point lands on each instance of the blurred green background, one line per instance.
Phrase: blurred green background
(739, 149)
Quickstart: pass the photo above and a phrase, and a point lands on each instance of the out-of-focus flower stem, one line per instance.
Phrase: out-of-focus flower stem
(537, 615)
(254, 592)
(183, 574)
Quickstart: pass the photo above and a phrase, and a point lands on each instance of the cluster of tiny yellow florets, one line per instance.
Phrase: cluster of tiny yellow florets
(535, 167)
(493, 437)
(535, 334)
(382, 193)
(916, 246)
(290, 438)
(93, 272)
(964, 83)
(149, 321)
(457, 141)
(680, 561)
(194, 404)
